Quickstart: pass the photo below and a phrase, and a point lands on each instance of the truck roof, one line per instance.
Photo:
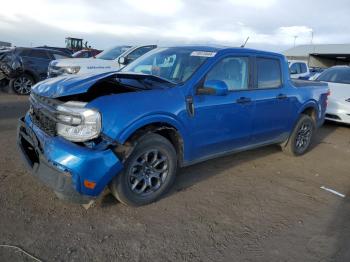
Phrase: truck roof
(297, 61)
(219, 49)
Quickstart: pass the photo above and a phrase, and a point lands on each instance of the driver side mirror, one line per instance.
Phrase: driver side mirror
(122, 60)
(213, 87)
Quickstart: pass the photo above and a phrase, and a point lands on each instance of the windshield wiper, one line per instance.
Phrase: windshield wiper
(162, 79)
(147, 80)
(147, 85)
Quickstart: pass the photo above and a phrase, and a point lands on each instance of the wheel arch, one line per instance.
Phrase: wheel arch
(32, 74)
(311, 109)
(165, 126)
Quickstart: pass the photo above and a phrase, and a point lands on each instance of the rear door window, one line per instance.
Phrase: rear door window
(35, 53)
(24, 52)
(268, 73)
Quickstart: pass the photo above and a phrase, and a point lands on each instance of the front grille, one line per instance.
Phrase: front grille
(45, 123)
(42, 112)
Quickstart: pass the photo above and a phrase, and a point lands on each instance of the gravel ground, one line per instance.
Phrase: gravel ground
(258, 205)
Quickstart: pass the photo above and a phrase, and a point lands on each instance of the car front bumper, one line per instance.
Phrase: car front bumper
(73, 172)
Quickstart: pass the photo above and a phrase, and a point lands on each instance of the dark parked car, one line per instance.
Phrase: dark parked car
(24, 67)
(61, 49)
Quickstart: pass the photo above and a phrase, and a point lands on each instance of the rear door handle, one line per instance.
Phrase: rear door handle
(281, 96)
(243, 100)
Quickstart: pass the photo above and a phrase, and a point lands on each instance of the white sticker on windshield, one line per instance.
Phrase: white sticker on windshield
(203, 53)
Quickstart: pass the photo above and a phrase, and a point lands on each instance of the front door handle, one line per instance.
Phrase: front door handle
(243, 100)
(281, 96)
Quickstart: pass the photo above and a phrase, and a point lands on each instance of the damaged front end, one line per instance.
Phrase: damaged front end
(66, 136)
(62, 142)
(11, 65)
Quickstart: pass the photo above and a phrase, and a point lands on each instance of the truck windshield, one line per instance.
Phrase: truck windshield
(112, 53)
(173, 64)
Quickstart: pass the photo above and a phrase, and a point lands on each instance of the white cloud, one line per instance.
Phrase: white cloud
(156, 7)
(229, 22)
(253, 3)
(301, 34)
(295, 30)
(51, 13)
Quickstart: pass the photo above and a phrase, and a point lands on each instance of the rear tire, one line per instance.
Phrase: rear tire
(301, 137)
(22, 84)
(148, 172)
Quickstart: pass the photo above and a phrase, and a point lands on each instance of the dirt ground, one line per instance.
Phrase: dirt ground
(255, 206)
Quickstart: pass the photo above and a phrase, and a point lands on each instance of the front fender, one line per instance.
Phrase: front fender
(169, 120)
(148, 120)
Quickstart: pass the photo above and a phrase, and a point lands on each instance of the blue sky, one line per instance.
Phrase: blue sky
(270, 24)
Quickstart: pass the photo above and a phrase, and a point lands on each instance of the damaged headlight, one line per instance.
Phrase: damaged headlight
(60, 70)
(77, 123)
(71, 69)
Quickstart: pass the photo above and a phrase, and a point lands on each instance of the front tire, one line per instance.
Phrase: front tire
(22, 84)
(148, 172)
(301, 137)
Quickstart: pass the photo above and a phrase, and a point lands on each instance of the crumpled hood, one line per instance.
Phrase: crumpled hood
(67, 85)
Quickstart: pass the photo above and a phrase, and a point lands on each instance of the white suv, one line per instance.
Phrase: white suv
(109, 60)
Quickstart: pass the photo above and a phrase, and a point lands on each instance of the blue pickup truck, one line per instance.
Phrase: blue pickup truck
(173, 107)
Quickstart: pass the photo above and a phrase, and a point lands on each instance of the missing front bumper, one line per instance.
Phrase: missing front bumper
(58, 180)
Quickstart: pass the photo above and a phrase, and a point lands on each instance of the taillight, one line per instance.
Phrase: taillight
(328, 94)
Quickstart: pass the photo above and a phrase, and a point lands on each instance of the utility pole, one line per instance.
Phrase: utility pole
(312, 37)
(295, 39)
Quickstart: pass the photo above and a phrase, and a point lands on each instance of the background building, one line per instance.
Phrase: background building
(5, 44)
(321, 55)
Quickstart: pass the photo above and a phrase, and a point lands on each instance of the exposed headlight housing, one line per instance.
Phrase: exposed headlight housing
(71, 69)
(55, 70)
(77, 123)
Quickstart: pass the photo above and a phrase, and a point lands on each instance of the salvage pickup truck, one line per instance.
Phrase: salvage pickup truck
(129, 131)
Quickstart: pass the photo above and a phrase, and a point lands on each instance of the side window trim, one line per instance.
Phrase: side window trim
(256, 72)
(250, 71)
